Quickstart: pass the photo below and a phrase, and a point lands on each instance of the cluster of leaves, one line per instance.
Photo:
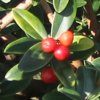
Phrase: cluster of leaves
(78, 85)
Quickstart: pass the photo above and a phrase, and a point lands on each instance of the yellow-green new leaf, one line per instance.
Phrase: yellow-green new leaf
(29, 23)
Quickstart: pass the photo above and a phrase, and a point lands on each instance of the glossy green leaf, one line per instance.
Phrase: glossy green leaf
(14, 74)
(34, 59)
(11, 87)
(69, 92)
(96, 63)
(81, 43)
(64, 73)
(80, 3)
(86, 81)
(20, 46)
(29, 23)
(55, 95)
(60, 5)
(63, 21)
(6, 1)
(82, 54)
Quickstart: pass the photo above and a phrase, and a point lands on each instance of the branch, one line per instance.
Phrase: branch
(92, 22)
(8, 18)
(48, 10)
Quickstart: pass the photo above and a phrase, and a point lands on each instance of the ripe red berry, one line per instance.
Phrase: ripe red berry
(48, 76)
(61, 53)
(49, 45)
(66, 38)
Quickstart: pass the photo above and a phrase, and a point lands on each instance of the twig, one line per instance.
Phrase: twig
(77, 63)
(92, 22)
(8, 18)
(48, 10)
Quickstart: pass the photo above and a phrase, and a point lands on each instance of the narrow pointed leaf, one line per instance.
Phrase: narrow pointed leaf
(20, 46)
(34, 59)
(29, 23)
(63, 21)
(60, 5)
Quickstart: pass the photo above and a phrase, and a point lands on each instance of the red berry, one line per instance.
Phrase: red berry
(66, 38)
(49, 45)
(61, 53)
(48, 76)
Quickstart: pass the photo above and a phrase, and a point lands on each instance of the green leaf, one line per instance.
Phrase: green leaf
(29, 23)
(86, 81)
(11, 28)
(96, 63)
(34, 59)
(81, 43)
(95, 95)
(20, 46)
(2, 9)
(80, 3)
(96, 5)
(6, 1)
(11, 87)
(82, 54)
(63, 21)
(69, 92)
(35, 2)
(60, 5)
(14, 74)
(89, 65)
(64, 73)
(55, 95)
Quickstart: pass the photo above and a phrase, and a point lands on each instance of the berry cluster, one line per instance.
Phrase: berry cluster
(60, 47)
